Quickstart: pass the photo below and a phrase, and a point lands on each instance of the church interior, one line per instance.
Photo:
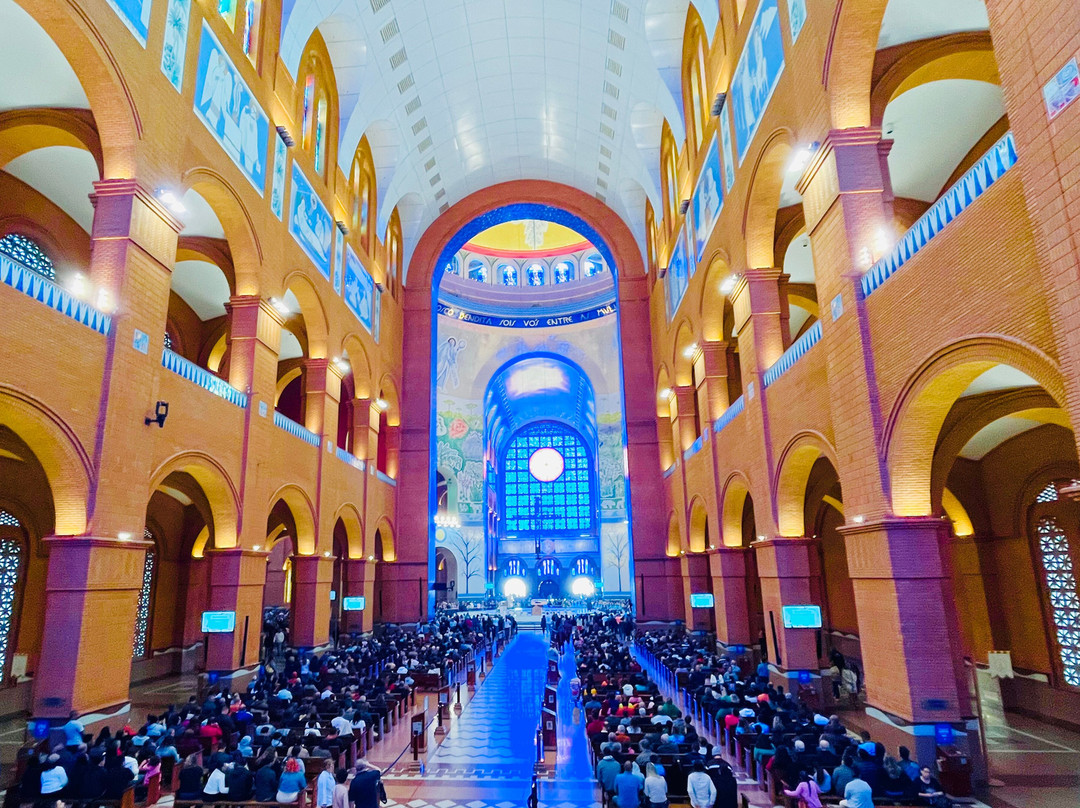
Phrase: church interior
(550, 403)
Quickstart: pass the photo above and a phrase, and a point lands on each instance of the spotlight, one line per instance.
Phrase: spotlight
(341, 226)
(801, 159)
(718, 104)
(515, 588)
(382, 404)
(280, 306)
(161, 412)
(684, 206)
(664, 394)
(123, 536)
(77, 285)
(342, 365)
(171, 201)
(583, 587)
(691, 350)
(727, 286)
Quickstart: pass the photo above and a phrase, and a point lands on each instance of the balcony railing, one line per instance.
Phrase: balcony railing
(31, 284)
(296, 430)
(384, 477)
(202, 377)
(729, 415)
(793, 354)
(349, 459)
(990, 168)
(695, 447)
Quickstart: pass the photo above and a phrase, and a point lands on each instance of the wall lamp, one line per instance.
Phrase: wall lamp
(161, 412)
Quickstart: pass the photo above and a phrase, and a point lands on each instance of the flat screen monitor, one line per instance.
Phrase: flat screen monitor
(354, 604)
(802, 617)
(702, 601)
(218, 622)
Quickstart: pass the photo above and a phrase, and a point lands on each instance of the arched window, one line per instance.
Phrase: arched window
(309, 105)
(548, 482)
(28, 253)
(1057, 553)
(11, 561)
(534, 274)
(584, 566)
(354, 187)
(227, 10)
(593, 265)
(365, 213)
(140, 642)
(250, 38)
(548, 568)
(515, 568)
(508, 274)
(563, 271)
(320, 135)
(478, 271)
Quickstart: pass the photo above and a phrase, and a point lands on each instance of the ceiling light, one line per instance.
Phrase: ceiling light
(123, 536)
(171, 201)
(382, 404)
(342, 364)
(280, 306)
(727, 286)
(691, 350)
(664, 394)
(802, 157)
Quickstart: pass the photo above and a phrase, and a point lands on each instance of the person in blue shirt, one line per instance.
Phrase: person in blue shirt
(73, 731)
(628, 787)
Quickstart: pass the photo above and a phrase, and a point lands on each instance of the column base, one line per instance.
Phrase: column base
(237, 579)
(787, 568)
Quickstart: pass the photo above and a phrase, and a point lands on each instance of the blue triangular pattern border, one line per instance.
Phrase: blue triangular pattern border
(43, 290)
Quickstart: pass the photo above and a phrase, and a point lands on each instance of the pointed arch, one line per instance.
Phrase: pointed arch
(385, 528)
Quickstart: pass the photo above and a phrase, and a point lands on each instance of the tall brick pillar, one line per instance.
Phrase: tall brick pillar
(358, 580)
(727, 566)
(686, 427)
(312, 582)
(237, 578)
(91, 595)
(93, 583)
(906, 609)
(715, 356)
(322, 392)
(790, 574)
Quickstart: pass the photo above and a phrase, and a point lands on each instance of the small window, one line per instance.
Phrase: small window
(478, 271)
(28, 253)
(515, 568)
(168, 341)
(251, 29)
(11, 558)
(535, 274)
(593, 265)
(142, 613)
(227, 9)
(508, 274)
(309, 101)
(320, 136)
(564, 272)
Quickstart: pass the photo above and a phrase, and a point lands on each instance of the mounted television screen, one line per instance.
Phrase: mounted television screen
(702, 601)
(218, 622)
(802, 617)
(354, 604)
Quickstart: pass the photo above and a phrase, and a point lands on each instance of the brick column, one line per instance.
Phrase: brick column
(727, 566)
(393, 449)
(313, 577)
(358, 580)
(787, 569)
(907, 618)
(362, 435)
(91, 594)
(237, 578)
(322, 394)
(686, 428)
(715, 355)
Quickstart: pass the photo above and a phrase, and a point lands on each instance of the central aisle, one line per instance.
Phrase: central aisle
(495, 737)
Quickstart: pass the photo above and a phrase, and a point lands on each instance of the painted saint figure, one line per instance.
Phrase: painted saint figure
(446, 364)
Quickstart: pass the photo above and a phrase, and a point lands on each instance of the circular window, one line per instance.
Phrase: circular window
(546, 465)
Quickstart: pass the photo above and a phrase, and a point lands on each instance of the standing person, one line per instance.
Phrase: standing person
(73, 731)
(53, 779)
(807, 791)
(366, 790)
(723, 778)
(324, 786)
(655, 788)
(928, 790)
(341, 789)
(700, 788)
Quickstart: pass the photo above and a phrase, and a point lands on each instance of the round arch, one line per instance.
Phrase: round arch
(96, 67)
(735, 492)
(388, 392)
(700, 540)
(766, 182)
(715, 314)
(674, 538)
(66, 463)
(349, 515)
(312, 310)
(303, 513)
(792, 475)
(681, 359)
(849, 61)
(915, 422)
(244, 247)
(386, 531)
(353, 347)
(216, 486)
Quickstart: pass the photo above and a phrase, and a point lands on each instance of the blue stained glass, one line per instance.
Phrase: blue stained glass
(564, 503)
(535, 275)
(509, 275)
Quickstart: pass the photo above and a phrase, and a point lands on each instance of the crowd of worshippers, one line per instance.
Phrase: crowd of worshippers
(810, 755)
(233, 747)
(645, 749)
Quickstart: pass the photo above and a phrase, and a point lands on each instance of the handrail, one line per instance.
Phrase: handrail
(187, 369)
(695, 447)
(729, 415)
(793, 354)
(349, 459)
(988, 170)
(33, 284)
(296, 430)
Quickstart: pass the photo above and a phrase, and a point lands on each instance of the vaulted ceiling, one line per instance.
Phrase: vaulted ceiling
(458, 95)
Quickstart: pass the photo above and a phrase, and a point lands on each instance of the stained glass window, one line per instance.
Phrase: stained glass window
(478, 271)
(584, 566)
(10, 564)
(592, 266)
(515, 568)
(28, 253)
(142, 613)
(564, 271)
(508, 273)
(309, 101)
(561, 505)
(251, 21)
(9, 519)
(320, 135)
(1048, 494)
(535, 274)
(227, 9)
(1060, 576)
(547, 568)
(168, 341)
